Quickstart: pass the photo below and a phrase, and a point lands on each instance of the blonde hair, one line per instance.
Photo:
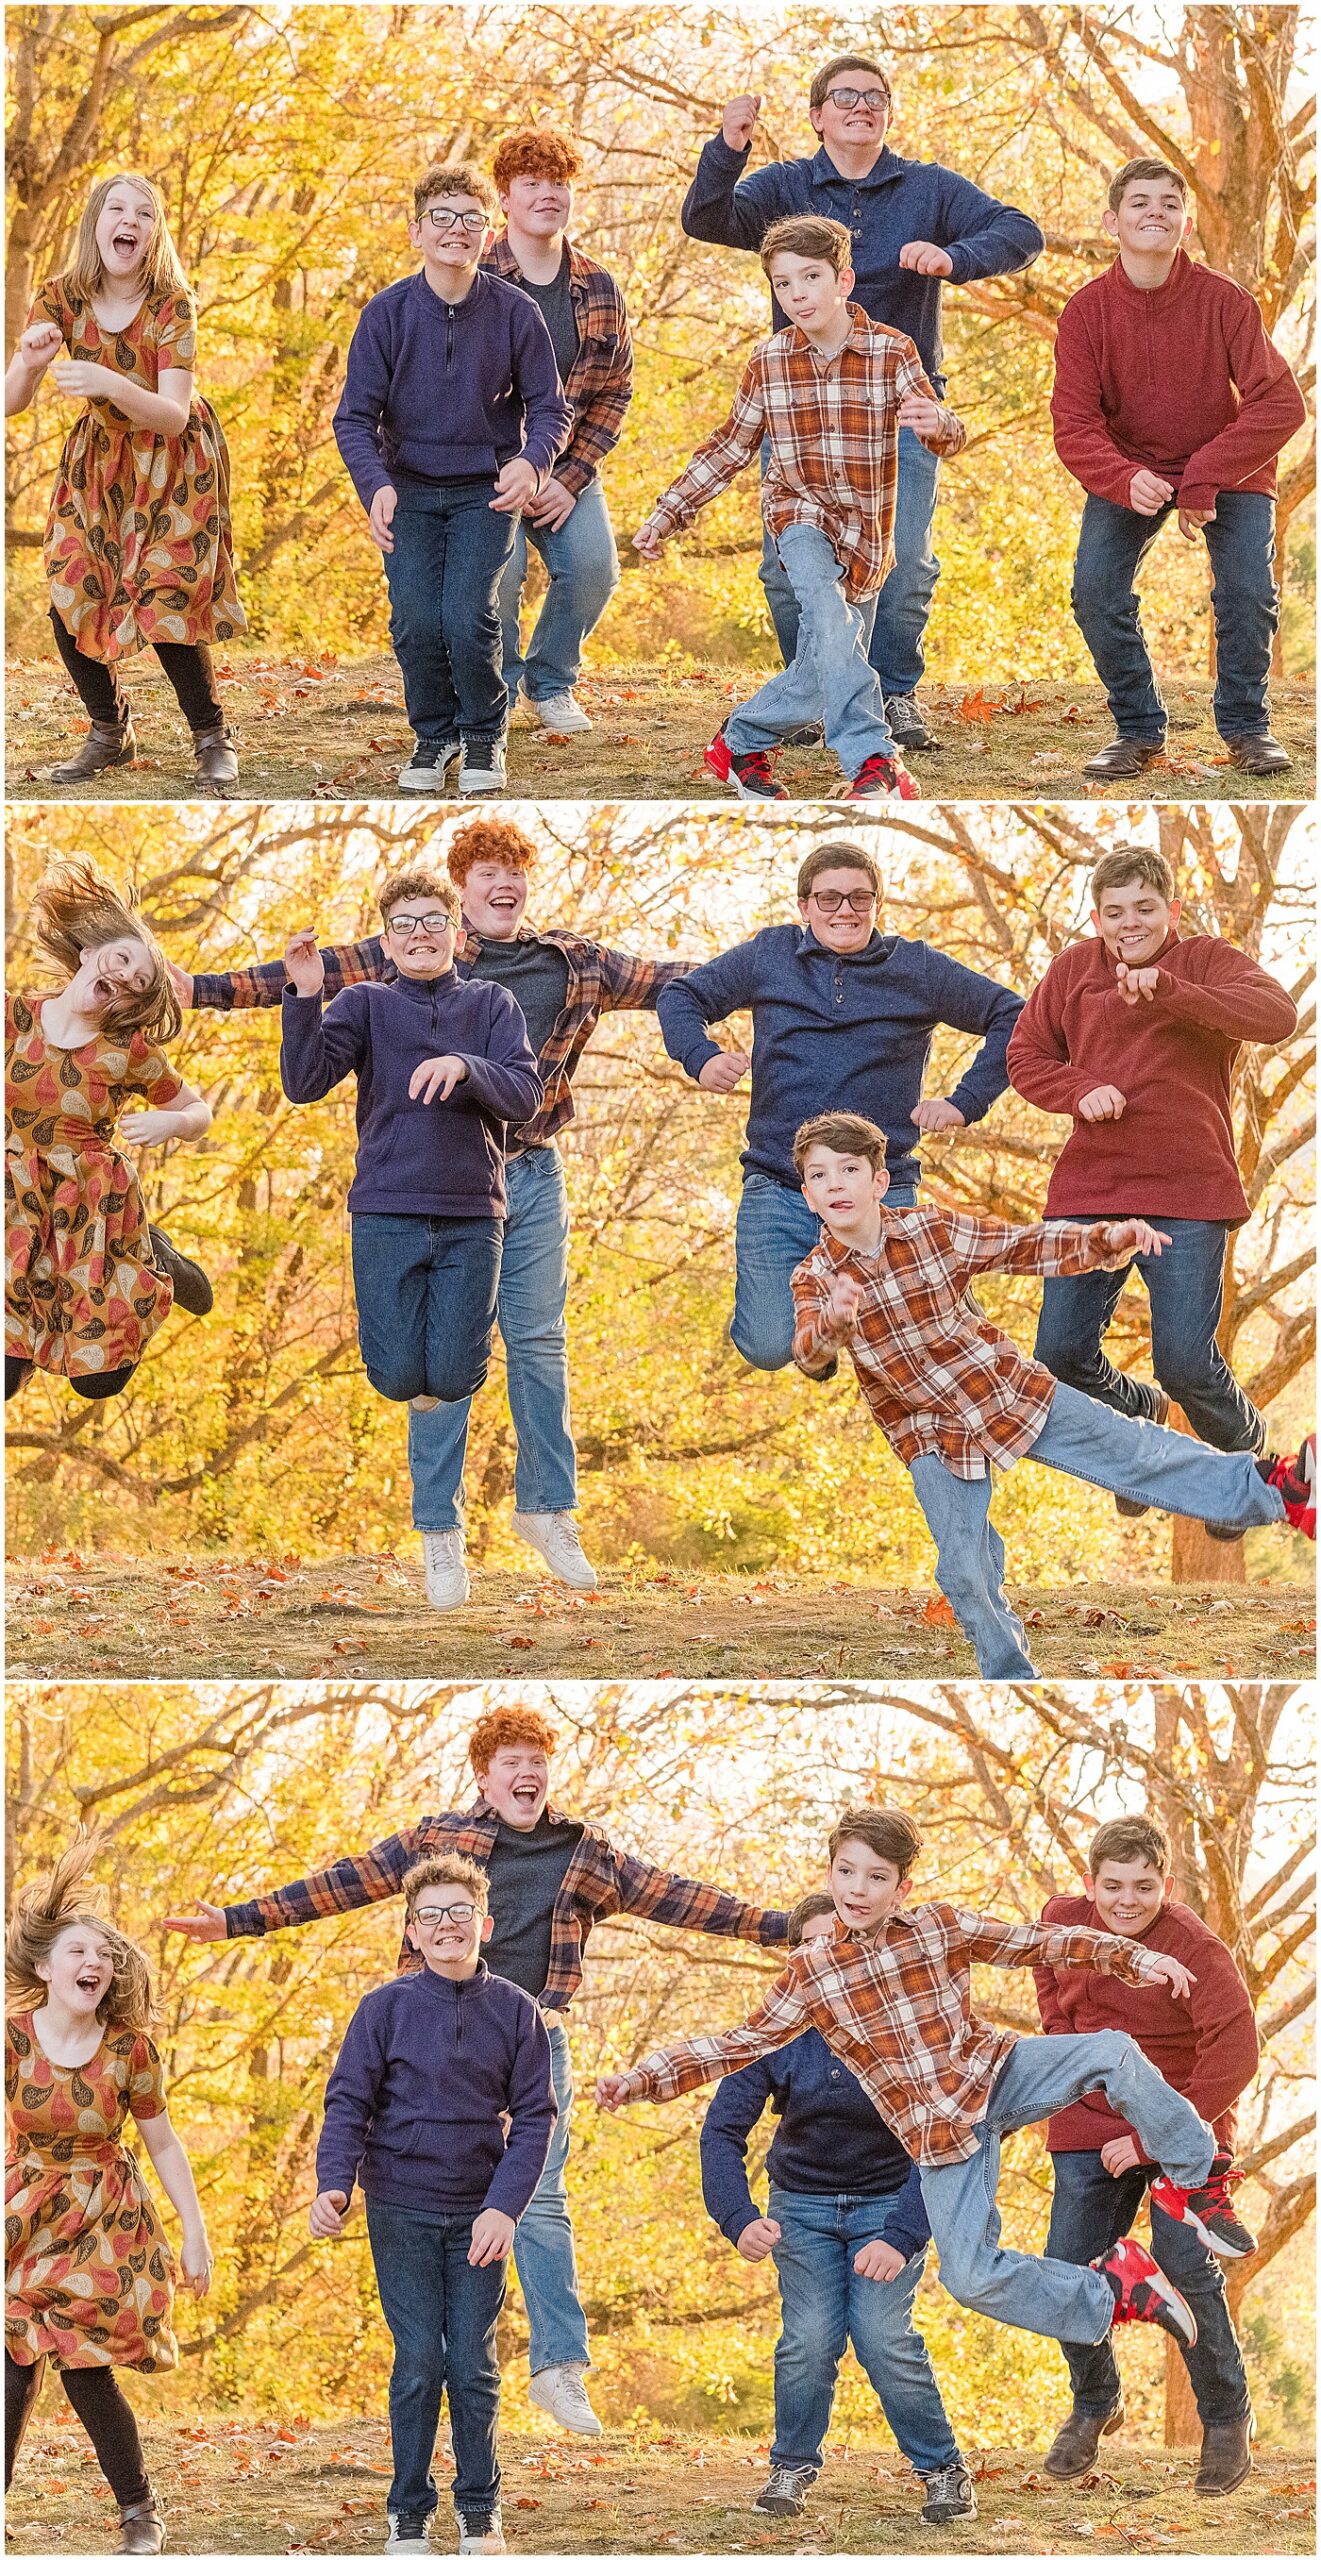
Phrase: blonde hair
(75, 909)
(161, 269)
(60, 1900)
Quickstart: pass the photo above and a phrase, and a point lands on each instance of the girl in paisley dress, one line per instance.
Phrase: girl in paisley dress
(138, 547)
(90, 2274)
(87, 1280)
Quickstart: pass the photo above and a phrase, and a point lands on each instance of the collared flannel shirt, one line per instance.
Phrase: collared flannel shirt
(600, 1880)
(941, 1381)
(600, 981)
(600, 384)
(897, 2008)
(833, 427)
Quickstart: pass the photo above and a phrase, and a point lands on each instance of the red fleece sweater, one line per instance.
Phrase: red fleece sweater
(1172, 1154)
(1205, 2046)
(1182, 381)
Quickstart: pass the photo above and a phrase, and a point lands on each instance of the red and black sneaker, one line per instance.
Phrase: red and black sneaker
(1294, 1480)
(1142, 2293)
(883, 778)
(751, 775)
(1208, 2209)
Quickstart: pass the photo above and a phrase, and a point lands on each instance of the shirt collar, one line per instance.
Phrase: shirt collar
(824, 173)
(873, 948)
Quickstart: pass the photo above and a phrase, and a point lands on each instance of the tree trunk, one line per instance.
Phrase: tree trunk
(1182, 2424)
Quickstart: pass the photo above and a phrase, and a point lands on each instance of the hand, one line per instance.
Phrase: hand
(1133, 1235)
(147, 1128)
(1104, 1102)
(1119, 2155)
(720, 1075)
(85, 381)
(648, 541)
(879, 2261)
(1168, 1969)
(203, 1924)
(737, 122)
(196, 2263)
(435, 1079)
(515, 483)
(181, 980)
(326, 2219)
(842, 1304)
(937, 1114)
(380, 517)
(923, 258)
(552, 506)
(492, 2238)
(1148, 493)
(1136, 986)
(303, 965)
(758, 2240)
(37, 346)
(919, 413)
(615, 2090)
(1192, 519)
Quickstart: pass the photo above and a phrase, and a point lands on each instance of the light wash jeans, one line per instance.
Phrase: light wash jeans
(1081, 1438)
(829, 678)
(543, 2242)
(534, 1279)
(1041, 2075)
(824, 2303)
(903, 607)
(582, 566)
(773, 1233)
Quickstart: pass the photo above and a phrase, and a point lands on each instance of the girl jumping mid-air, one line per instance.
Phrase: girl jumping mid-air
(138, 547)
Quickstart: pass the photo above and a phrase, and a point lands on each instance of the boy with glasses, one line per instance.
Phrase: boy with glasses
(451, 418)
(440, 2106)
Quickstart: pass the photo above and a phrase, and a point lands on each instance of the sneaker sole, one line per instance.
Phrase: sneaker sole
(1182, 2319)
(442, 1606)
(488, 788)
(1210, 2239)
(429, 786)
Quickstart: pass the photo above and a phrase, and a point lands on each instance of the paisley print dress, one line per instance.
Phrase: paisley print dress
(82, 1294)
(90, 2274)
(138, 545)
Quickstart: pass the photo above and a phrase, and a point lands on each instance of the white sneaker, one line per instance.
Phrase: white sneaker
(554, 1534)
(427, 767)
(446, 1568)
(408, 2533)
(482, 2532)
(481, 767)
(558, 2388)
(562, 714)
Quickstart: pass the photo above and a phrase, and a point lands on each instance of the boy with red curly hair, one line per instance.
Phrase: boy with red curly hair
(551, 1877)
(567, 522)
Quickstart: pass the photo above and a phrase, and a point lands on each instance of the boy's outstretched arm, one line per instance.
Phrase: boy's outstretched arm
(655, 1893)
(1064, 1250)
(371, 1875)
(1036, 1942)
(676, 2068)
(345, 964)
(716, 463)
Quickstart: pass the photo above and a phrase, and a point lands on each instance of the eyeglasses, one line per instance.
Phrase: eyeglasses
(435, 925)
(874, 99)
(441, 221)
(433, 1917)
(856, 900)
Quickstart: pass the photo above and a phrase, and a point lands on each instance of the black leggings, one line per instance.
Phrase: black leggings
(100, 2408)
(111, 1382)
(186, 663)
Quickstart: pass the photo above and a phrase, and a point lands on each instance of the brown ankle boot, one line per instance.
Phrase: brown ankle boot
(1226, 2458)
(214, 756)
(140, 2526)
(108, 742)
(1074, 2451)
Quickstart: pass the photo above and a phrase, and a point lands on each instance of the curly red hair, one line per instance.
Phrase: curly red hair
(489, 840)
(534, 153)
(506, 1725)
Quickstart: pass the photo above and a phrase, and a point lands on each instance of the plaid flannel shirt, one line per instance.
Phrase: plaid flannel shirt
(897, 2008)
(600, 384)
(600, 981)
(833, 426)
(599, 1881)
(941, 1381)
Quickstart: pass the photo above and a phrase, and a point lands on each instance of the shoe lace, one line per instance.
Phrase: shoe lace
(783, 2478)
(563, 1536)
(481, 753)
(756, 762)
(950, 2477)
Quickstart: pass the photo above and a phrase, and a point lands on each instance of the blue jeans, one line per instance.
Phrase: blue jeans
(1081, 1438)
(426, 1292)
(1245, 601)
(534, 1279)
(903, 607)
(829, 677)
(1090, 2210)
(823, 2304)
(582, 566)
(441, 2314)
(1041, 2075)
(773, 1232)
(449, 550)
(1185, 1286)
(543, 2242)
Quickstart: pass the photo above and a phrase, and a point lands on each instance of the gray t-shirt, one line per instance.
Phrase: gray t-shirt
(555, 303)
(536, 975)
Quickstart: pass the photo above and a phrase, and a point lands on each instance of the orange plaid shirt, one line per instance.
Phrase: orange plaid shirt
(897, 2008)
(941, 1381)
(833, 425)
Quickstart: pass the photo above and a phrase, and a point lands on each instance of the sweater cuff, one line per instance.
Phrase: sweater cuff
(1199, 495)
(960, 267)
(739, 2221)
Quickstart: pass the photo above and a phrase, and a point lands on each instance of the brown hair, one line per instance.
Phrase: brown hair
(813, 1906)
(74, 910)
(1133, 170)
(825, 80)
(506, 1725)
(1132, 1835)
(534, 153)
(160, 270)
(417, 880)
(1126, 862)
(809, 235)
(846, 1133)
(464, 179)
(60, 1900)
(886, 1832)
(489, 840)
(448, 1868)
(838, 854)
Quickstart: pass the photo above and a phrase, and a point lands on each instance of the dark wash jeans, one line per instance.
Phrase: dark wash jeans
(1245, 600)
(441, 2314)
(1185, 1286)
(426, 1291)
(1089, 2212)
(450, 550)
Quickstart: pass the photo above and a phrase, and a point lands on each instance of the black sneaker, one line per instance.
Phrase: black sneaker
(481, 767)
(192, 1289)
(908, 726)
(480, 2529)
(1209, 2210)
(428, 765)
(785, 2493)
(950, 2495)
(408, 2534)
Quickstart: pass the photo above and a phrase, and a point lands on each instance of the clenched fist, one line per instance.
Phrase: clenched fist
(738, 120)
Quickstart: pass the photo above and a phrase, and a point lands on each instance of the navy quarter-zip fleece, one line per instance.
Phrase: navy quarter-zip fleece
(426, 2071)
(448, 391)
(830, 2141)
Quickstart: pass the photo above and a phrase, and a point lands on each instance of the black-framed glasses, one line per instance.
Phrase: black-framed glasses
(436, 1913)
(434, 925)
(870, 98)
(442, 221)
(856, 900)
